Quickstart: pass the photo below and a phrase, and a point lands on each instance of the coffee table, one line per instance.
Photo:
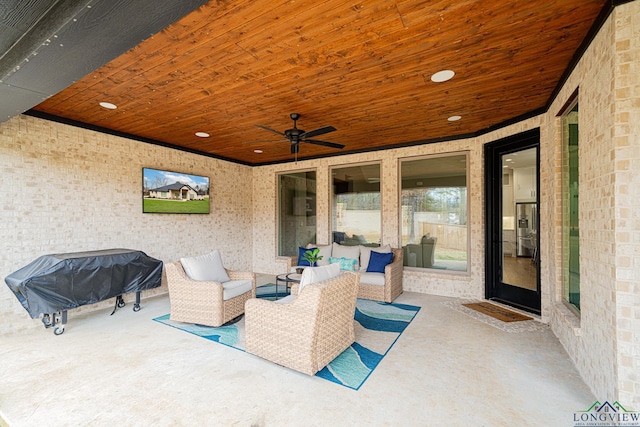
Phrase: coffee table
(287, 280)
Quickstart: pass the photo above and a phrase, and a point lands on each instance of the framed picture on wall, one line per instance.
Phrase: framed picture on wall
(174, 192)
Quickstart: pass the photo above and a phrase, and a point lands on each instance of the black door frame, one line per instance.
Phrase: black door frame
(495, 289)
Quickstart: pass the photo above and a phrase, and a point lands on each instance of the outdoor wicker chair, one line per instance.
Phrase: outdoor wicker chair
(203, 302)
(309, 332)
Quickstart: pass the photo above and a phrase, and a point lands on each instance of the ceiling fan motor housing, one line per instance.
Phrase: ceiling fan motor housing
(293, 134)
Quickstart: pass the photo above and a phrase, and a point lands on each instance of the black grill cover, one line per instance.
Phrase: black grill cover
(61, 282)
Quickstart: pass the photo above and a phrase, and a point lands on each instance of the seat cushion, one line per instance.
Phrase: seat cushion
(233, 288)
(372, 278)
(318, 274)
(205, 267)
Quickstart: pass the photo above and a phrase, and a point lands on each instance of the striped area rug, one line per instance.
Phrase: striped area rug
(378, 327)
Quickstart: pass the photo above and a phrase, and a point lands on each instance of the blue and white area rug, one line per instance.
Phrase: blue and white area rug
(378, 326)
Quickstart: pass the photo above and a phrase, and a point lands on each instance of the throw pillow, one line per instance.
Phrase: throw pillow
(205, 267)
(342, 251)
(346, 264)
(301, 261)
(379, 261)
(318, 274)
(365, 253)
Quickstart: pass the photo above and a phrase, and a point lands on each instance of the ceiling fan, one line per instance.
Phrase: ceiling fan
(296, 136)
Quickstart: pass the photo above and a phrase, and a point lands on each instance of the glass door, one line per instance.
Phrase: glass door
(512, 216)
(296, 211)
(520, 219)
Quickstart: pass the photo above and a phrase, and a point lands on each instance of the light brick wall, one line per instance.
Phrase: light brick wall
(590, 339)
(67, 189)
(604, 341)
(626, 191)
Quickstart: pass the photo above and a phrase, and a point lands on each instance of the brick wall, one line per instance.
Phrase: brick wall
(67, 189)
(604, 341)
(626, 191)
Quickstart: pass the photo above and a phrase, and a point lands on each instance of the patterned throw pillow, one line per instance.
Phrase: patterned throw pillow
(347, 264)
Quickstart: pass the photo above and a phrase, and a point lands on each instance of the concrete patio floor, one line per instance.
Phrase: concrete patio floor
(447, 369)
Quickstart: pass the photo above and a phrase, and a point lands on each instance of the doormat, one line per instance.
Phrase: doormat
(497, 312)
(532, 325)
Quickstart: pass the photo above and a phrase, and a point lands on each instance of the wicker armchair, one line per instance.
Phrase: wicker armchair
(308, 332)
(201, 302)
(392, 282)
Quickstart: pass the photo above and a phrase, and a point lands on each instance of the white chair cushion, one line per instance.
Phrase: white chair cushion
(233, 288)
(205, 267)
(350, 252)
(372, 278)
(318, 274)
(365, 254)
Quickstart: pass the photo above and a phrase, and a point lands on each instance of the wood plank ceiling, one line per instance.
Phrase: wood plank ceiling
(363, 67)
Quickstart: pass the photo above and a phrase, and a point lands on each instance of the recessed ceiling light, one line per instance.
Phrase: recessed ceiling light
(508, 160)
(442, 76)
(257, 151)
(202, 134)
(108, 105)
(454, 118)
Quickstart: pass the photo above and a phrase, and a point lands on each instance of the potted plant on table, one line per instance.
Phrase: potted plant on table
(312, 256)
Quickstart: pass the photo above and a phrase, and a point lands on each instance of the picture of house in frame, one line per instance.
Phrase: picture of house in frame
(174, 192)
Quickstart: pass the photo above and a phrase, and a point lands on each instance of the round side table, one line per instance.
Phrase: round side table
(287, 280)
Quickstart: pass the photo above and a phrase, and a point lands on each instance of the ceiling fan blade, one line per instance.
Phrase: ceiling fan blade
(319, 131)
(271, 130)
(324, 143)
(295, 148)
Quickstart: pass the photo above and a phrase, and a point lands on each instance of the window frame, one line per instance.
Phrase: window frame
(278, 174)
(401, 160)
(571, 103)
(330, 197)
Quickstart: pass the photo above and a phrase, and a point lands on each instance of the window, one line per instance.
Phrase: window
(355, 205)
(296, 211)
(433, 212)
(570, 208)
